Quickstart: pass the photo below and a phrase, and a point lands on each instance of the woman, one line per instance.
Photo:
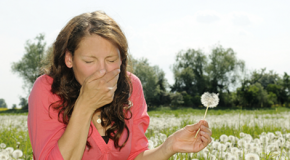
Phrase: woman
(87, 106)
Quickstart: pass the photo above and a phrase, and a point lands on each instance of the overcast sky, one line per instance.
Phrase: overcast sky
(257, 30)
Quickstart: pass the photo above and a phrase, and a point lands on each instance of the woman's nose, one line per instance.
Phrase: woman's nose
(102, 66)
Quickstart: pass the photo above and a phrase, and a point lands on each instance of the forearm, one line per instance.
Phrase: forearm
(162, 152)
(73, 142)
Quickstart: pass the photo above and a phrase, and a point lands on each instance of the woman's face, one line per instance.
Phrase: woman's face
(94, 53)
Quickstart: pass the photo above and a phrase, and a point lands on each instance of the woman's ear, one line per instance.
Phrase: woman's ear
(68, 59)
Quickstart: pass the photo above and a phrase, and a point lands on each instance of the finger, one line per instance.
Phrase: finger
(111, 75)
(113, 81)
(96, 75)
(113, 89)
(205, 140)
(206, 130)
(193, 127)
(206, 135)
(204, 122)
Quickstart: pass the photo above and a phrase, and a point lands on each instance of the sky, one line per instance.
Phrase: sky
(257, 30)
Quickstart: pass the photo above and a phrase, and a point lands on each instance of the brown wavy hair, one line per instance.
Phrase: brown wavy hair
(68, 88)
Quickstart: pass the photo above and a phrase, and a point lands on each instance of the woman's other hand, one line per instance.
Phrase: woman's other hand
(183, 140)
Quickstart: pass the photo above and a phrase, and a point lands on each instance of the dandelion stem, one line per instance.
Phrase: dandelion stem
(203, 119)
(205, 113)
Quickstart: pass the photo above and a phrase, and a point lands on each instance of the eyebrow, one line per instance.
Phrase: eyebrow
(91, 56)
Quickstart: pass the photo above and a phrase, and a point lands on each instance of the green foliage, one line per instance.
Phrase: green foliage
(189, 72)
(263, 90)
(153, 82)
(29, 66)
(23, 103)
(195, 73)
(3, 103)
(14, 106)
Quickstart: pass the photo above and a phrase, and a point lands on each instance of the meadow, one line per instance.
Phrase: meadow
(237, 134)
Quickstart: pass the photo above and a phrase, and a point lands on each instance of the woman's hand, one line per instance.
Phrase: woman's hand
(98, 90)
(183, 140)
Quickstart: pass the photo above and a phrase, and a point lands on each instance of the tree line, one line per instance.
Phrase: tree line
(194, 73)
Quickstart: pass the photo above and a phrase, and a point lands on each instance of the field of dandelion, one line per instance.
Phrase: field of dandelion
(237, 134)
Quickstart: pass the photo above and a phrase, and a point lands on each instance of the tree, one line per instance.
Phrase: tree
(286, 89)
(3, 103)
(29, 66)
(262, 89)
(223, 71)
(189, 76)
(255, 96)
(14, 106)
(153, 82)
(23, 103)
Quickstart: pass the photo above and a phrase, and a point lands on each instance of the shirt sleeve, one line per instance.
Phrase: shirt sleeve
(140, 119)
(43, 125)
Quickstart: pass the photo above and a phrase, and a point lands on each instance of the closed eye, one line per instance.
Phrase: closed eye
(88, 61)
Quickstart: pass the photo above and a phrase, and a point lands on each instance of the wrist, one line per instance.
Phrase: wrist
(167, 146)
(83, 109)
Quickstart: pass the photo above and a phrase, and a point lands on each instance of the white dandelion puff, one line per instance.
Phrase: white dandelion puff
(9, 149)
(215, 145)
(242, 143)
(232, 157)
(232, 138)
(2, 145)
(252, 156)
(210, 100)
(4, 156)
(150, 144)
(271, 135)
(17, 153)
(242, 134)
(256, 150)
(222, 147)
(234, 150)
(224, 138)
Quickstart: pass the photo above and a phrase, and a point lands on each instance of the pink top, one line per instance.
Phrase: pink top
(44, 131)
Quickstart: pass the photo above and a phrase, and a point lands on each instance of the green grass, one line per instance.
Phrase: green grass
(181, 110)
(13, 111)
(10, 136)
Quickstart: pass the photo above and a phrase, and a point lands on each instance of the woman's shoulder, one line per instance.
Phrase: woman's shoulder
(44, 81)
(42, 88)
(134, 80)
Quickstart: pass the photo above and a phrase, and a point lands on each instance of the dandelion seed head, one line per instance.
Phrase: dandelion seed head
(2, 145)
(9, 149)
(271, 135)
(264, 139)
(150, 144)
(248, 138)
(17, 153)
(242, 143)
(228, 145)
(252, 156)
(242, 134)
(210, 100)
(278, 133)
(256, 150)
(232, 157)
(222, 147)
(4, 156)
(232, 138)
(224, 138)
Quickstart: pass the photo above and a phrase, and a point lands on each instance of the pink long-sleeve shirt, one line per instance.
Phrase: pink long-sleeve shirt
(45, 130)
